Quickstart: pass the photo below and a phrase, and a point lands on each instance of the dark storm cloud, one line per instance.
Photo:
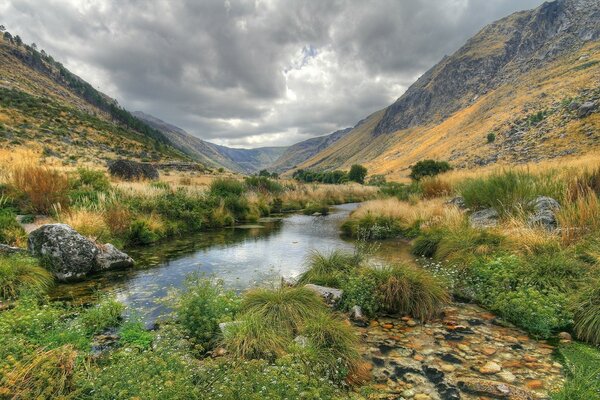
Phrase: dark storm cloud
(252, 73)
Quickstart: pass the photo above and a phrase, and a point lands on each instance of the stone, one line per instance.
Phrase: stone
(356, 315)
(6, 249)
(301, 341)
(408, 393)
(586, 109)
(132, 170)
(330, 295)
(490, 368)
(507, 376)
(485, 218)
(109, 257)
(422, 396)
(488, 351)
(494, 389)
(411, 322)
(458, 201)
(65, 252)
(566, 336)
(448, 367)
(387, 326)
(534, 384)
(544, 209)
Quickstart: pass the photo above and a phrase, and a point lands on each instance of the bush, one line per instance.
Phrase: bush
(226, 187)
(140, 233)
(357, 173)
(373, 227)
(106, 314)
(587, 314)
(20, 274)
(96, 180)
(328, 269)
(43, 187)
(432, 187)
(134, 334)
(428, 168)
(263, 184)
(491, 137)
(359, 290)
(427, 243)
(202, 305)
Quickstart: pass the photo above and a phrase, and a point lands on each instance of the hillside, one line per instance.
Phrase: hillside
(531, 79)
(237, 160)
(302, 151)
(45, 107)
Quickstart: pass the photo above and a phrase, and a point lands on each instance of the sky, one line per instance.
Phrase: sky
(252, 73)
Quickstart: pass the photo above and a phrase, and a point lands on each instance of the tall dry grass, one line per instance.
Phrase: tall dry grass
(580, 217)
(43, 187)
(405, 213)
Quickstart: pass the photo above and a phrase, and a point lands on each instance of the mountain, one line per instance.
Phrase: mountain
(528, 79)
(237, 160)
(302, 151)
(45, 107)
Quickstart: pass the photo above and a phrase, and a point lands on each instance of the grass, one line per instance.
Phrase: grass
(21, 274)
(44, 188)
(328, 269)
(587, 314)
(583, 372)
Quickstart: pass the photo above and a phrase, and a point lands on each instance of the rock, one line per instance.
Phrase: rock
(566, 336)
(357, 316)
(490, 368)
(494, 389)
(109, 257)
(6, 249)
(301, 341)
(507, 376)
(66, 253)
(486, 218)
(331, 295)
(586, 109)
(422, 396)
(71, 256)
(408, 393)
(458, 202)
(544, 209)
(132, 170)
(534, 384)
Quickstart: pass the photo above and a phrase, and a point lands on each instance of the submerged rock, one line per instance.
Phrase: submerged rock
(70, 255)
(486, 218)
(495, 389)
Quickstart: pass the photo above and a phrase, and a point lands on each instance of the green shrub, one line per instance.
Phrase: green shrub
(509, 192)
(540, 314)
(134, 334)
(19, 273)
(426, 244)
(587, 313)
(11, 232)
(359, 290)
(105, 314)
(140, 233)
(97, 180)
(401, 190)
(357, 173)
(202, 305)
(428, 168)
(329, 269)
(491, 137)
(263, 184)
(225, 187)
(284, 309)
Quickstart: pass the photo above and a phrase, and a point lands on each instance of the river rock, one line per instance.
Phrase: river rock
(109, 257)
(490, 368)
(66, 253)
(495, 389)
(132, 170)
(486, 218)
(331, 295)
(70, 255)
(544, 209)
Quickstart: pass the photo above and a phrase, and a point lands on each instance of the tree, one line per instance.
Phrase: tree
(264, 172)
(18, 40)
(2, 28)
(491, 137)
(8, 37)
(357, 173)
(428, 168)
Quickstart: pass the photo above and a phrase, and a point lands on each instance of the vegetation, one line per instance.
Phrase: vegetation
(21, 274)
(357, 173)
(582, 364)
(333, 177)
(428, 168)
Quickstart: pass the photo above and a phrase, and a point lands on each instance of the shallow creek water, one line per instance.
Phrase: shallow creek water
(244, 256)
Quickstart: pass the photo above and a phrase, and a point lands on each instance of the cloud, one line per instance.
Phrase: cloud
(253, 73)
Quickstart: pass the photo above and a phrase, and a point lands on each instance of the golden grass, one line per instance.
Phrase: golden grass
(406, 213)
(579, 218)
(87, 222)
(44, 187)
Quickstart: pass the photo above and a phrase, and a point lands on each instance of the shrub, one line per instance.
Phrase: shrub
(134, 334)
(328, 269)
(253, 338)
(263, 184)
(372, 227)
(359, 290)
(284, 309)
(357, 173)
(509, 192)
(428, 168)
(426, 244)
(22, 274)
(11, 231)
(587, 314)
(491, 137)
(43, 187)
(140, 233)
(96, 180)
(101, 316)
(202, 305)
(538, 313)
(225, 187)
(407, 290)
(432, 187)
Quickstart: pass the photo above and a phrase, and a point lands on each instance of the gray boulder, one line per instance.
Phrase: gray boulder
(132, 170)
(66, 253)
(71, 256)
(486, 218)
(109, 257)
(458, 202)
(331, 295)
(544, 212)
(586, 109)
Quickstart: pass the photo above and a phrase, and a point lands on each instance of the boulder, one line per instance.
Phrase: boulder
(330, 295)
(132, 170)
(544, 209)
(458, 202)
(586, 109)
(486, 218)
(70, 255)
(66, 253)
(109, 257)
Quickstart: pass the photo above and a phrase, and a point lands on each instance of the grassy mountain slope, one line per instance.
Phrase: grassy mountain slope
(45, 107)
(237, 160)
(522, 78)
